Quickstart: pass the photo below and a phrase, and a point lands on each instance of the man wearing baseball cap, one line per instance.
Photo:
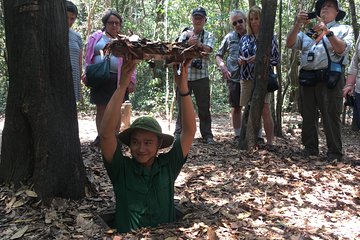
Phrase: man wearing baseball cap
(198, 79)
(144, 183)
(319, 92)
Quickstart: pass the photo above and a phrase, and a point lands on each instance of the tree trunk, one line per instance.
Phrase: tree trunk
(353, 18)
(294, 80)
(279, 93)
(40, 138)
(356, 34)
(252, 118)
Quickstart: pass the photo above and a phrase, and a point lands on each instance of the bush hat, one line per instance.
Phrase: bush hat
(199, 11)
(148, 124)
(341, 14)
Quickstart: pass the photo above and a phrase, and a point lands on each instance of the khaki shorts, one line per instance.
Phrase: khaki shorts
(246, 90)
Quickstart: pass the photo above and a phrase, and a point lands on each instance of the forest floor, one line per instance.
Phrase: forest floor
(221, 193)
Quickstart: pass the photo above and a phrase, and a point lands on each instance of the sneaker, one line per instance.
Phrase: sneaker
(210, 141)
(333, 159)
(260, 140)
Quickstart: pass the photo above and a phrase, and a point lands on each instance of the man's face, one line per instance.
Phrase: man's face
(198, 21)
(239, 24)
(71, 17)
(328, 11)
(144, 146)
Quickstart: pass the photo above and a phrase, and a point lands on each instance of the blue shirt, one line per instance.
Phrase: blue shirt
(307, 44)
(99, 46)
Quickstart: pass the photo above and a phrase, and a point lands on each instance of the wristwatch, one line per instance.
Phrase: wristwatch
(330, 34)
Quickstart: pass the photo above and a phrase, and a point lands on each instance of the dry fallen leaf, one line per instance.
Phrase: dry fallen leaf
(211, 234)
(19, 203)
(20, 233)
(31, 193)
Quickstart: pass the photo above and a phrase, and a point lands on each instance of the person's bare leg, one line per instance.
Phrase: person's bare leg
(268, 124)
(100, 109)
(236, 119)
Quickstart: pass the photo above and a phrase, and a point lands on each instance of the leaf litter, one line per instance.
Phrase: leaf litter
(221, 193)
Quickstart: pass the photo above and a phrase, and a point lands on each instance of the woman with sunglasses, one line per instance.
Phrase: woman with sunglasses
(100, 96)
(247, 62)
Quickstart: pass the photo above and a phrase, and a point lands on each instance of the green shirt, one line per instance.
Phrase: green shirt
(144, 197)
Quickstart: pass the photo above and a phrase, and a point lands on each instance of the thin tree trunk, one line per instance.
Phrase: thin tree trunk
(353, 19)
(252, 3)
(279, 93)
(252, 115)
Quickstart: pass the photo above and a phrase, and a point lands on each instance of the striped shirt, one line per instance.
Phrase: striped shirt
(208, 40)
(248, 49)
(75, 48)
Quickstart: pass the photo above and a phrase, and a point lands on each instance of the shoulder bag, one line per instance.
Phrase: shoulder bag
(335, 70)
(273, 84)
(99, 73)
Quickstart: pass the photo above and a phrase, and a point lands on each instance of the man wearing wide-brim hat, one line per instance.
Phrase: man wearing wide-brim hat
(318, 89)
(144, 183)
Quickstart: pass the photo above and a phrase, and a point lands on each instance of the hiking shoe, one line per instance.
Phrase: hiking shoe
(307, 153)
(332, 159)
(210, 141)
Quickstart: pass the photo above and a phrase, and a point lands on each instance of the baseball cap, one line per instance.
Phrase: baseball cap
(199, 11)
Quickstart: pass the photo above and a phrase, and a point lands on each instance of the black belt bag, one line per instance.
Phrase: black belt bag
(309, 78)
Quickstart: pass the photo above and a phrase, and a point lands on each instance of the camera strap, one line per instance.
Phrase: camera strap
(328, 55)
(202, 36)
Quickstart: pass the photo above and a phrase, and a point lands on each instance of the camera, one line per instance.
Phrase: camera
(311, 15)
(311, 34)
(197, 63)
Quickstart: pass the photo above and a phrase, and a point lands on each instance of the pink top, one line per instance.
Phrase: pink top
(90, 46)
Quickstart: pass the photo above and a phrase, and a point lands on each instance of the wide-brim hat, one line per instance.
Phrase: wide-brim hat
(148, 124)
(341, 14)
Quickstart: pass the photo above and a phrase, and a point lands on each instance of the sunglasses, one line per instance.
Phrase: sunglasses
(241, 21)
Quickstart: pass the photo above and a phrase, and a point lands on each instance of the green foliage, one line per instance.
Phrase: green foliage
(150, 92)
(164, 20)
